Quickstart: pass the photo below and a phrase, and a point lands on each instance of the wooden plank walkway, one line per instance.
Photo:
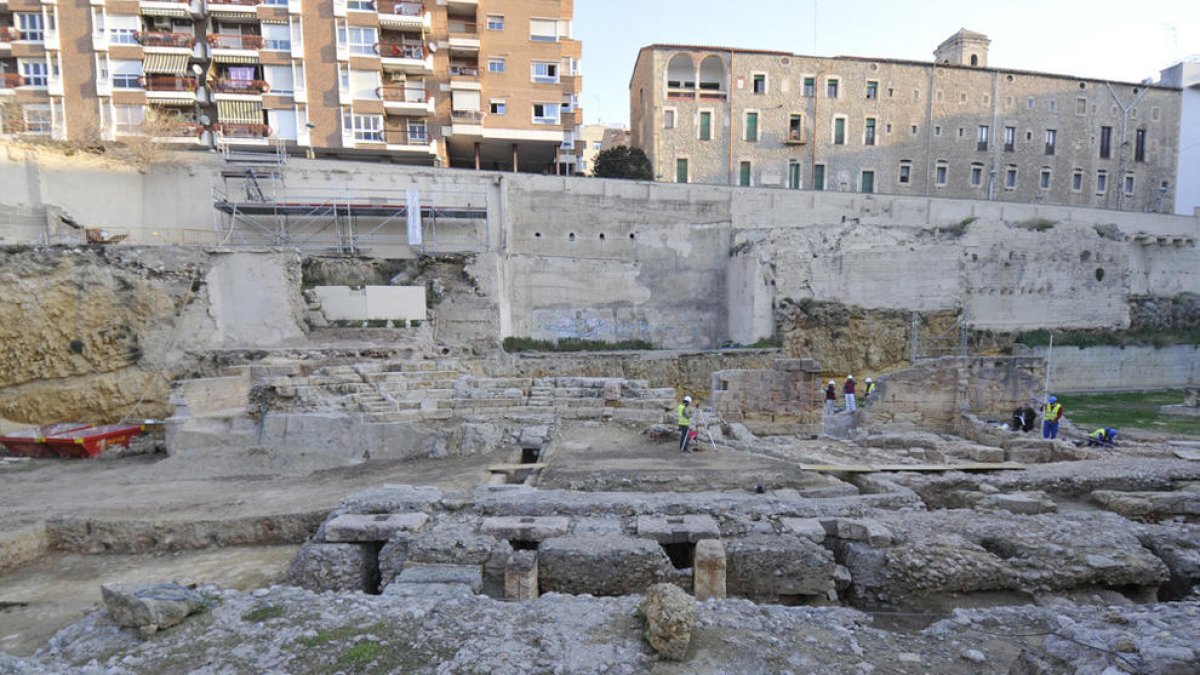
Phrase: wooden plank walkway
(505, 468)
(878, 468)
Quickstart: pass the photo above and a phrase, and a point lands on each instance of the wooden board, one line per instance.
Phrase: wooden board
(876, 468)
(503, 468)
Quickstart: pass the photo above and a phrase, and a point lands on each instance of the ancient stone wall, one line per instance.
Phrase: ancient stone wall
(934, 392)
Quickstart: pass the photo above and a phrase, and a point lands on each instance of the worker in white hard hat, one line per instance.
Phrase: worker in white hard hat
(830, 397)
(870, 388)
(683, 416)
(848, 391)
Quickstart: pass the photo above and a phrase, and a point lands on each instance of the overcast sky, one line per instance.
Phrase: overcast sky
(1106, 39)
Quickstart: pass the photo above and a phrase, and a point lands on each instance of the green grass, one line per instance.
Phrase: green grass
(1136, 410)
(523, 344)
(1148, 337)
(264, 613)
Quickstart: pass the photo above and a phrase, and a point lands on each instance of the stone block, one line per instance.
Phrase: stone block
(1025, 503)
(805, 528)
(439, 590)
(612, 390)
(392, 557)
(670, 616)
(774, 565)
(600, 565)
(872, 532)
(527, 528)
(678, 529)
(417, 573)
(451, 544)
(521, 576)
(985, 453)
(708, 569)
(334, 567)
(355, 528)
(150, 608)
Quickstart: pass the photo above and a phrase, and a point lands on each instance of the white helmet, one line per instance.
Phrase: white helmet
(687, 399)
(868, 379)
(849, 377)
(832, 383)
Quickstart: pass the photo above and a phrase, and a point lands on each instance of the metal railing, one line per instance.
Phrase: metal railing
(400, 8)
(163, 39)
(229, 86)
(466, 116)
(461, 27)
(464, 69)
(169, 83)
(242, 130)
(11, 80)
(401, 50)
(230, 41)
(406, 136)
(243, 3)
(397, 94)
(9, 34)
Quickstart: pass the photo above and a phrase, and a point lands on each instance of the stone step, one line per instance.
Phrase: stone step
(425, 573)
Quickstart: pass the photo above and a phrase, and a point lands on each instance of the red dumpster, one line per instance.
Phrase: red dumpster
(32, 442)
(92, 441)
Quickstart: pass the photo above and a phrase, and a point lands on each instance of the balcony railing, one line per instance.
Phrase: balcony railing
(229, 86)
(185, 129)
(401, 94)
(400, 50)
(169, 83)
(155, 39)
(400, 8)
(466, 116)
(460, 27)
(406, 136)
(11, 80)
(464, 69)
(239, 130)
(228, 41)
(9, 34)
(795, 136)
(243, 3)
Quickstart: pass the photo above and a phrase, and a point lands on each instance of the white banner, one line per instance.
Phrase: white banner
(412, 200)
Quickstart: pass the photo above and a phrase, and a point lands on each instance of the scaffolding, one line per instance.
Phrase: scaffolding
(256, 206)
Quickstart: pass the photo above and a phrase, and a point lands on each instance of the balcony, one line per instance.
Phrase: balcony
(405, 100)
(10, 81)
(795, 137)
(239, 42)
(228, 86)
(170, 88)
(464, 69)
(256, 134)
(415, 139)
(462, 6)
(233, 7)
(9, 35)
(402, 15)
(464, 36)
(157, 40)
(405, 56)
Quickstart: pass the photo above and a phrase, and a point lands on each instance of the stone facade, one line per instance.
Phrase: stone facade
(850, 124)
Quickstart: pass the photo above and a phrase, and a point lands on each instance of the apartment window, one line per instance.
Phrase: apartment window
(1077, 181)
(128, 118)
(839, 131)
(361, 5)
(913, 130)
(364, 84)
(831, 87)
(279, 79)
(937, 130)
(31, 27)
(962, 98)
(364, 127)
(496, 64)
(1101, 182)
(905, 172)
(596, 145)
(795, 128)
(544, 73)
(744, 174)
(793, 174)
(543, 30)
(545, 113)
(983, 137)
(498, 107)
(751, 126)
(705, 125)
(869, 132)
(1052, 105)
(33, 73)
(810, 86)
(1010, 139)
(941, 173)
(1139, 146)
(976, 175)
(275, 3)
(872, 90)
(819, 177)
(1105, 142)
(1044, 179)
(867, 182)
(126, 74)
(122, 30)
(362, 41)
(1030, 103)
(495, 22)
(1051, 141)
(681, 170)
(1129, 184)
(37, 119)
(417, 131)
(962, 132)
(1010, 178)
(759, 83)
(669, 118)
(344, 79)
(277, 37)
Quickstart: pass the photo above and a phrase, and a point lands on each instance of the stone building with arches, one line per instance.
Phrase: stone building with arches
(951, 127)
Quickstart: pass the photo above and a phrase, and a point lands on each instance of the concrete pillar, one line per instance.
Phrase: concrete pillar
(477, 155)
(521, 576)
(708, 575)
(515, 159)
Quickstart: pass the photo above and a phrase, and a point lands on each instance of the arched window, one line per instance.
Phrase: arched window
(974, 60)
(712, 74)
(681, 72)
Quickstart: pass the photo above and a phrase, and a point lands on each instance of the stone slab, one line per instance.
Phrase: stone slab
(678, 529)
(527, 528)
(709, 570)
(806, 528)
(441, 590)
(356, 528)
(468, 575)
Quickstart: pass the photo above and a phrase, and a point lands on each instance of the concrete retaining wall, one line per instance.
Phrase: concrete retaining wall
(1098, 368)
(372, 302)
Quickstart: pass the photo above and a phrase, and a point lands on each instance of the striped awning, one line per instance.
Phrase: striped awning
(165, 64)
(234, 58)
(240, 112)
(153, 9)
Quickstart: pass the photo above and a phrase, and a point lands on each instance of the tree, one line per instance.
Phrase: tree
(622, 161)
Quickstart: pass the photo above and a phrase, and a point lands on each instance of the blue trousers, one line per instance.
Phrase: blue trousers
(1049, 429)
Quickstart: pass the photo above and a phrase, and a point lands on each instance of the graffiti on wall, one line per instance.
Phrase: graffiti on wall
(615, 325)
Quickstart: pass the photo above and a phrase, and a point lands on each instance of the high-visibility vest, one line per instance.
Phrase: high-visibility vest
(1099, 434)
(870, 388)
(681, 415)
(1051, 414)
